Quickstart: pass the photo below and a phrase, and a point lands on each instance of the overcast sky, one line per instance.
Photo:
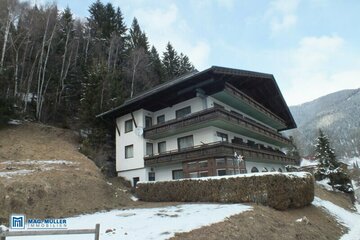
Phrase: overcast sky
(311, 46)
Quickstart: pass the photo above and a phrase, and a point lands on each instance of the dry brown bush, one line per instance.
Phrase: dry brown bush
(280, 191)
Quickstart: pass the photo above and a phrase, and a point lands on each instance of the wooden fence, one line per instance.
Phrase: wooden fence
(95, 231)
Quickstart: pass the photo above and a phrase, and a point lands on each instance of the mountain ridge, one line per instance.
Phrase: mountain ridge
(337, 114)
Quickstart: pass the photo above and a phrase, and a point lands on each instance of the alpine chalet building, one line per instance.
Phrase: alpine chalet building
(220, 121)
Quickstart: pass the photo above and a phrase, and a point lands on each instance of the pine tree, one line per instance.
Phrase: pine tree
(329, 167)
(171, 62)
(157, 65)
(137, 38)
(185, 64)
(324, 153)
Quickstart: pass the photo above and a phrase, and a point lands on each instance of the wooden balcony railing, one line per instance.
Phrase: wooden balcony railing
(218, 149)
(215, 113)
(248, 100)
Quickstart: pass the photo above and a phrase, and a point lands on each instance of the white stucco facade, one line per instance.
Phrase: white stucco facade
(133, 168)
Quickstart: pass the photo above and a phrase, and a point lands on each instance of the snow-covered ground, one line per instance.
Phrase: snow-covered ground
(11, 168)
(305, 162)
(148, 223)
(349, 219)
(325, 184)
(351, 161)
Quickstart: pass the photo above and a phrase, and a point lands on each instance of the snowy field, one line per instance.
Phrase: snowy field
(348, 219)
(148, 223)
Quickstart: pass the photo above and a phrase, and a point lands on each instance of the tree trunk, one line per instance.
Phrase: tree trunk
(6, 35)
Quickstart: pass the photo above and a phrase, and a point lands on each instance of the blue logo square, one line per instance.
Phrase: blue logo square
(17, 221)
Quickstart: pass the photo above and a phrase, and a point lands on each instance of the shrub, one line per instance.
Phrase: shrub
(278, 190)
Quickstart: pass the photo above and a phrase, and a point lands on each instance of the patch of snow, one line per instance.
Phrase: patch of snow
(348, 219)
(3, 228)
(109, 183)
(39, 162)
(351, 161)
(14, 173)
(303, 219)
(15, 122)
(325, 184)
(149, 223)
(306, 162)
(356, 193)
(133, 198)
(288, 174)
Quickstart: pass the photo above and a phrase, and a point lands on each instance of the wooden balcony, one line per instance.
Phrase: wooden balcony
(237, 99)
(217, 150)
(217, 117)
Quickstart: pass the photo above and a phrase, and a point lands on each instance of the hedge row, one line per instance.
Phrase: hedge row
(278, 190)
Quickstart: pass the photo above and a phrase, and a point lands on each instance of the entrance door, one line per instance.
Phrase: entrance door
(135, 181)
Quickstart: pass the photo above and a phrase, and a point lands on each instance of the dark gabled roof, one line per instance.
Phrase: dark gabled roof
(262, 87)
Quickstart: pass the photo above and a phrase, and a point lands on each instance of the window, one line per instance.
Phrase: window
(243, 171)
(193, 175)
(237, 140)
(162, 147)
(161, 119)
(251, 143)
(220, 162)
(135, 181)
(151, 176)
(230, 171)
(222, 136)
(128, 125)
(129, 151)
(280, 170)
(203, 174)
(272, 170)
(177, 174)
(203, 164)
(149, 149)
(185, 142)
(221, 172)
(192, 165)
(183, 112)
(148, 121)
(264, 170)
(254, 169)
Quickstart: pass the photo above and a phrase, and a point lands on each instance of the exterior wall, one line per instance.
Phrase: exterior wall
(130, 138)
(231, 135)
(204, 135)
(169, 112)
(201, 136)
(165, 172)
(134, 167)
(129, 175)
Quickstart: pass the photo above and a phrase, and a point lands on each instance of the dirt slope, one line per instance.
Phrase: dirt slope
(42, 174)
(267, 223)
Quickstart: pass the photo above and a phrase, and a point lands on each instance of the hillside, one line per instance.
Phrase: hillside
(337, 114)
(43, 174)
